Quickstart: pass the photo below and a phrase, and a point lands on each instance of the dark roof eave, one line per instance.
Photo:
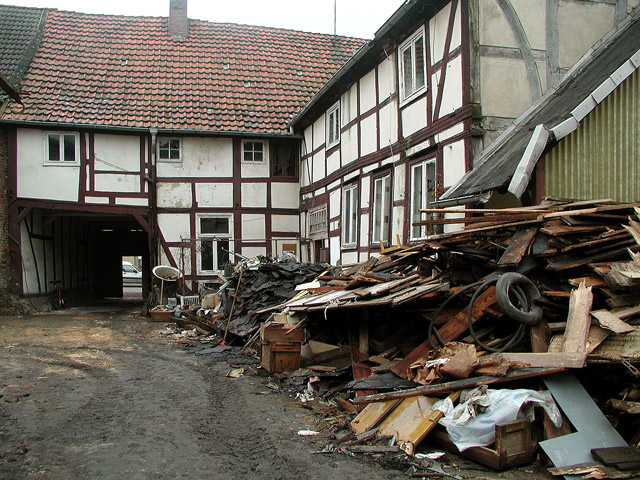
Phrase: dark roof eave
(159, 130)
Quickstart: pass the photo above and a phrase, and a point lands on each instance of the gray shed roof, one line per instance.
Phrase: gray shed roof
(20, 34)
(495, 165)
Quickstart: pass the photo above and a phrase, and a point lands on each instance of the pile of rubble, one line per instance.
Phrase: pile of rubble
(543, 302)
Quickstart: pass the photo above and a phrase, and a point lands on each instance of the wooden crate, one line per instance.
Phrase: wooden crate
(270, 332)
(513, 446)
(280, 356)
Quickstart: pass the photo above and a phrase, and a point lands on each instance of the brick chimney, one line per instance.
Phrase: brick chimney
(178, 21)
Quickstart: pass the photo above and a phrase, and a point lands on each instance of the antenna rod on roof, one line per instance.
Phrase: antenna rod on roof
(335, 16)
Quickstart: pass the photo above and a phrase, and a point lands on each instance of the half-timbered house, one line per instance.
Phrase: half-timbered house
(403, 120)
(161, 138)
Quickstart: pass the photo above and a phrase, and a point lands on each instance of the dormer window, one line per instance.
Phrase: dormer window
(333, 125)
(412, 66)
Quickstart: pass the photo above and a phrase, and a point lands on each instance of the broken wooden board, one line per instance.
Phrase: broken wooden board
(567, 261)
(592, 470)
(371, 416)
(611, 321)
(622, 458)
(411, 420)
(457, 385)
(579, 320)
(596, 336)
(557, 360)
(518, 246)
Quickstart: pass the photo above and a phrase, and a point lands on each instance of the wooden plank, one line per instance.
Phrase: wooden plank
(412, 420)
(560, 229)
(558, 360)
(371, 416)
(594, 282)
(578, 469)
(494, 219)
(564, 262)
(611, 321)
(627, 312)
(585, 211)
(483, 229)
(518, 246)
(452, 330)
(622, 458)
(371, 449)
(531, 210)
(540, 336)
(457, 385)
(579, 320)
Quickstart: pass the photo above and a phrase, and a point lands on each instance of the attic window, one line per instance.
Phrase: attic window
(169, 150)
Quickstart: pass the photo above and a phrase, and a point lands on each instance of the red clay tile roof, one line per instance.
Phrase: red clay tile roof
(129, 72)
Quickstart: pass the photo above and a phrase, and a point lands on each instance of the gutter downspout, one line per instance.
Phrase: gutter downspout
(153, 201)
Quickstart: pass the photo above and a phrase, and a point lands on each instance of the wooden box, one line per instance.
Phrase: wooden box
(280, 356)
(270, 332)
(513, 446)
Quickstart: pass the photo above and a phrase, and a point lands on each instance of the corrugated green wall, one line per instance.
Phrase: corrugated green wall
(602, 158)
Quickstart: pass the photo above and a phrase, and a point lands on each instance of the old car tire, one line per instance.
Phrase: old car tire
(530, 314)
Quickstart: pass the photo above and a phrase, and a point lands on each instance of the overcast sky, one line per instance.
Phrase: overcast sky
(356, 18)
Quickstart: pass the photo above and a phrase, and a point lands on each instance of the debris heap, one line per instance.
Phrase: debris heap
(518, 294)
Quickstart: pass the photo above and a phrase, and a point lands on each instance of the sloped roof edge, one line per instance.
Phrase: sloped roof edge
(373, 47)
(496, 164)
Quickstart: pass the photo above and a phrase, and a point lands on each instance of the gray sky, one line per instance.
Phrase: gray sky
(356, 18)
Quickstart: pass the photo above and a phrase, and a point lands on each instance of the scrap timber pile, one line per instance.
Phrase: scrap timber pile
(516, 298)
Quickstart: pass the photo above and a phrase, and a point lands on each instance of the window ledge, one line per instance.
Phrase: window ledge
(61, 164)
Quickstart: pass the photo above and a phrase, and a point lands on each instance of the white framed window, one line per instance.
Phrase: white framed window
(412, 66)
(215, 234)
(254, 151)
(62, 148)
(349, 216)
(423, 193)
(381, 209)
(333, 125)
(169, 149)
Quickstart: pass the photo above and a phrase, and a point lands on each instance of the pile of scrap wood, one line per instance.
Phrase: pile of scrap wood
(523, 293)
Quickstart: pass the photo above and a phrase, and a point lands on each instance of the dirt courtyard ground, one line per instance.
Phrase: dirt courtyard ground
(98, 393)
